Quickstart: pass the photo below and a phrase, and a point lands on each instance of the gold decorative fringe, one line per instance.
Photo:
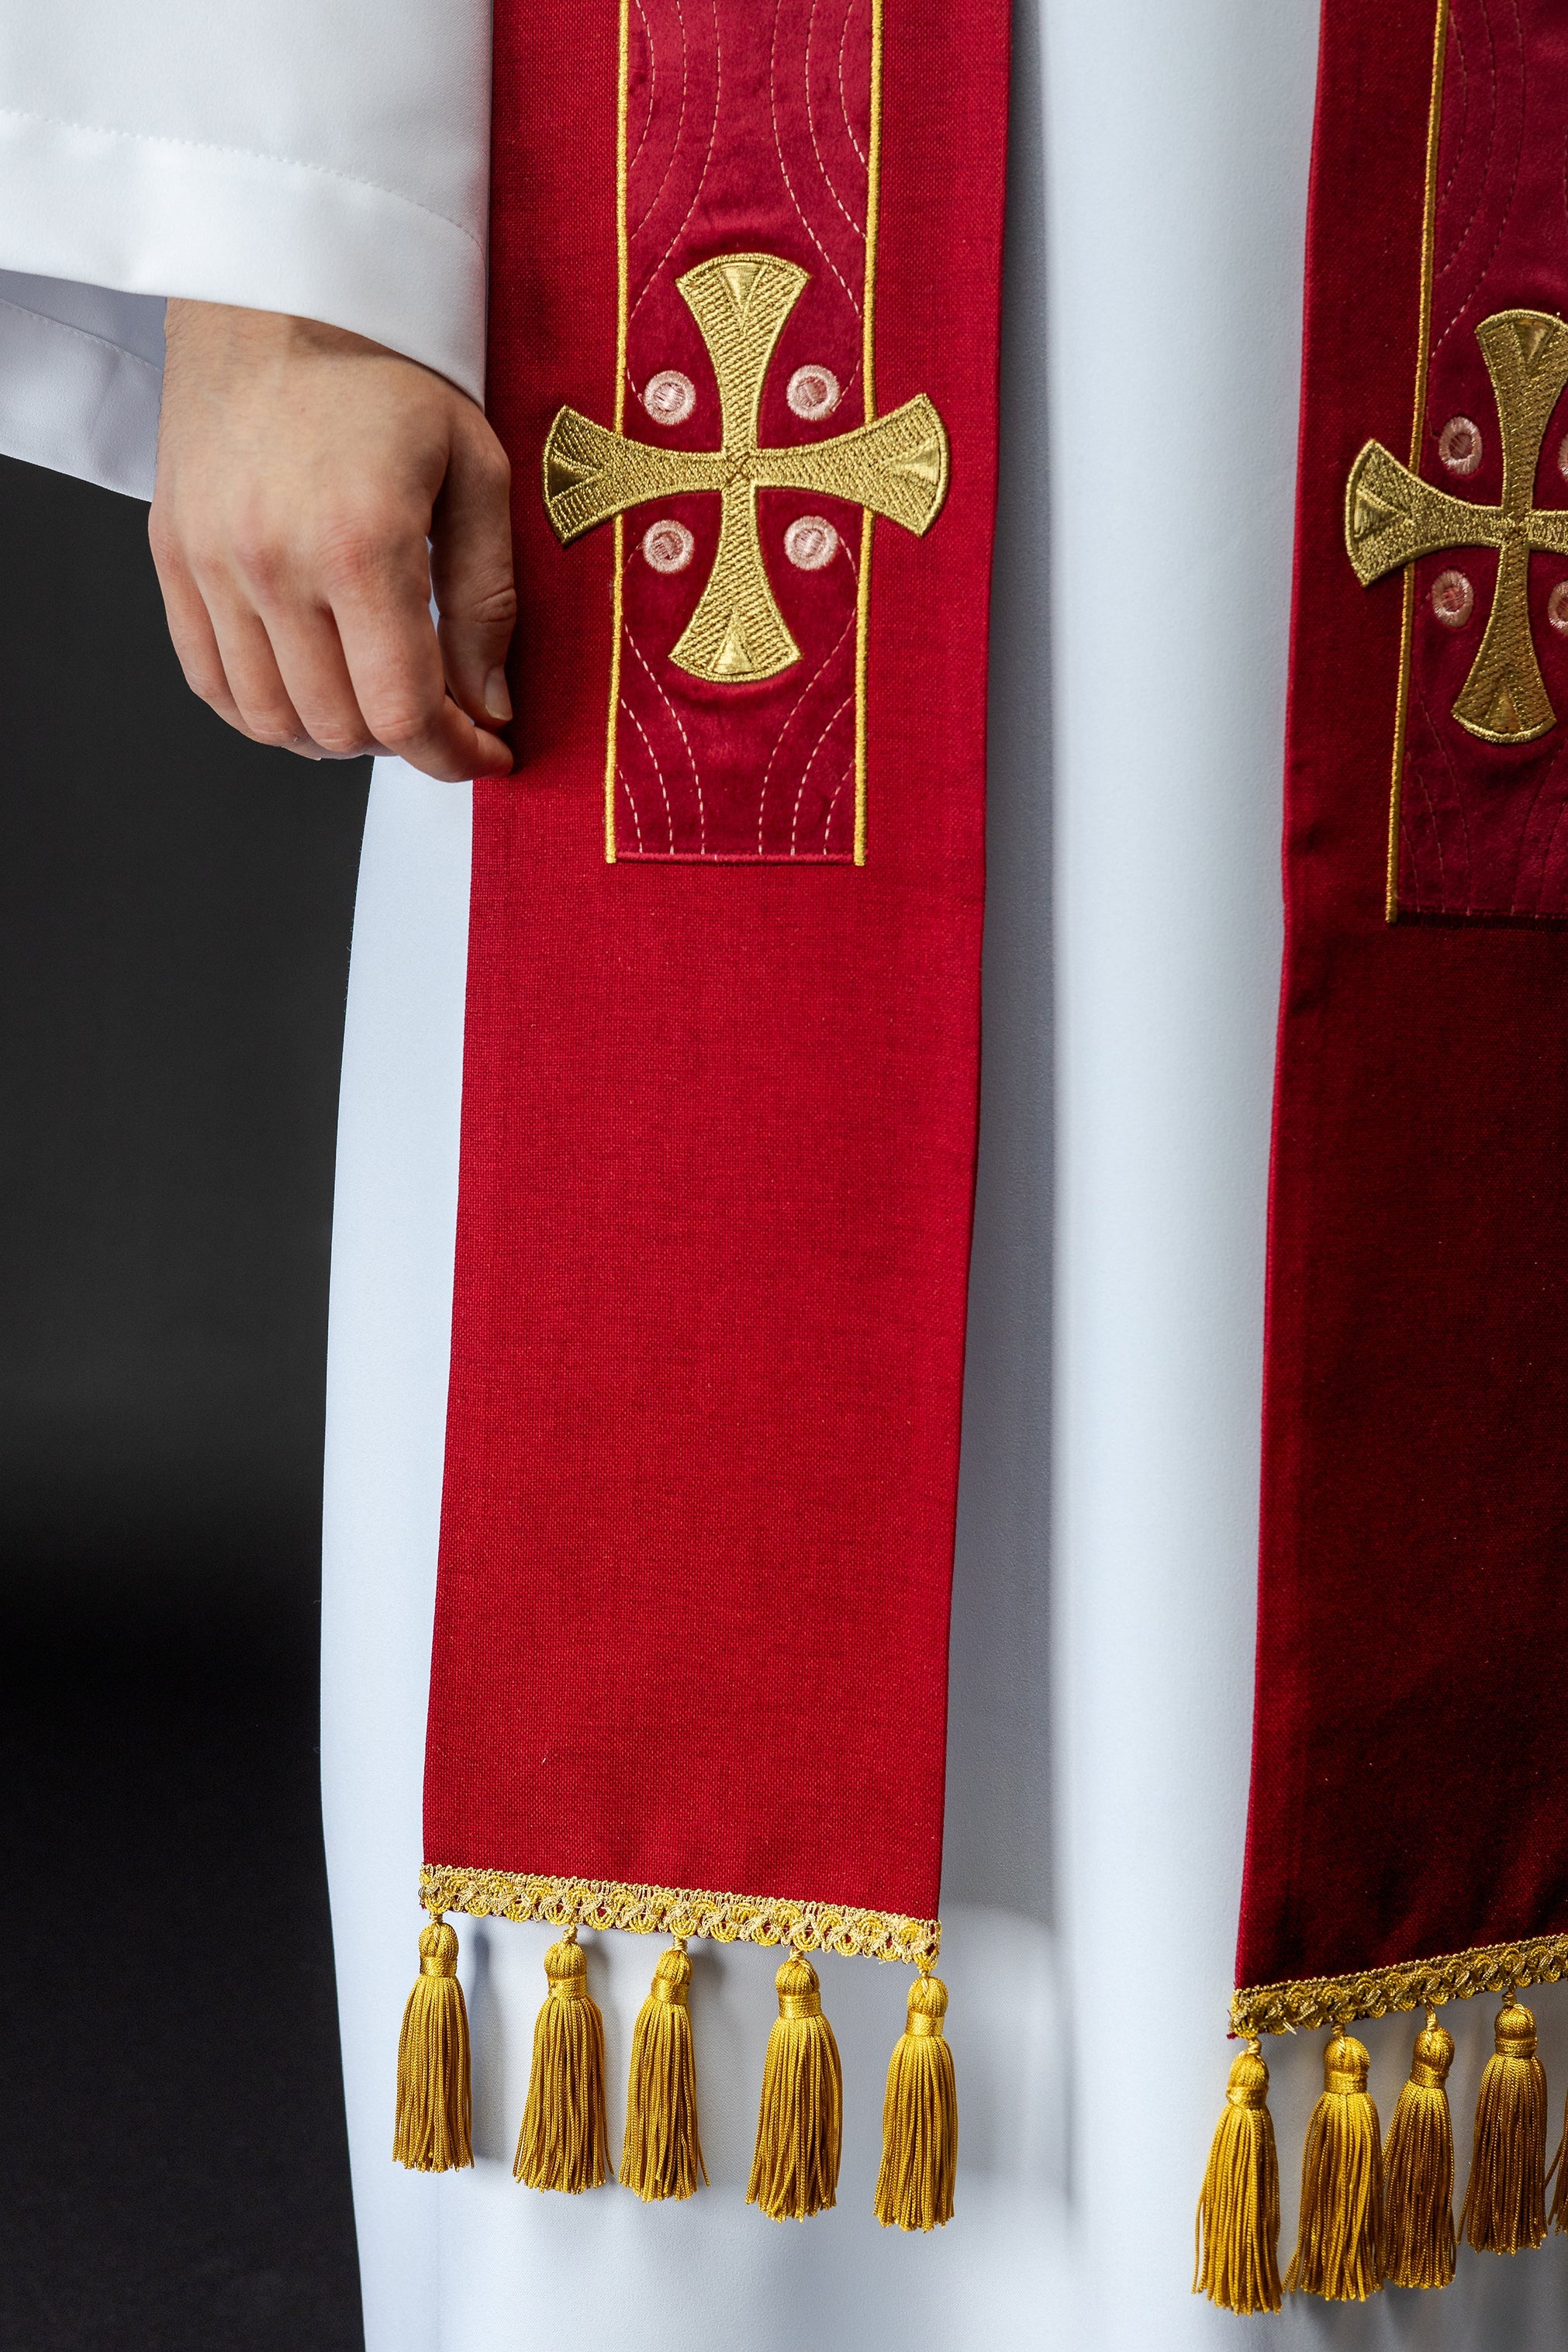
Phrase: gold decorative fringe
(1301, 2004)
(661, 2154)
(919, 2118)
(1339, 2241)
(563, 2143)
(683, 1911)
(1418, 2168)
(1505, 2201)
(433, 2127)
(800, 2124)
(1237, 2233)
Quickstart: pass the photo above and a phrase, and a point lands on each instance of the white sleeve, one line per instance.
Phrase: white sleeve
(327, 160)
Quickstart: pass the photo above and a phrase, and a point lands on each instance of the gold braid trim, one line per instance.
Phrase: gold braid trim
(680, 1911)
(1305, 2003)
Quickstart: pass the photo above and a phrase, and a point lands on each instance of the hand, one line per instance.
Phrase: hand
(302, 471)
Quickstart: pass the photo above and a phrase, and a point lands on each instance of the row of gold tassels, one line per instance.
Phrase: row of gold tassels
(1369, 2213)
(565, 2142)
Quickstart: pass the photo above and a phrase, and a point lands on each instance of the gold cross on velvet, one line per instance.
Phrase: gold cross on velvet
(894, 466)
(1392, 517)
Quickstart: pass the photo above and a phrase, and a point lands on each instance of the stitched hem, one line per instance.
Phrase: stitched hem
(680, 1911)
(249, 154)
(167, 216)
(1300, 2003)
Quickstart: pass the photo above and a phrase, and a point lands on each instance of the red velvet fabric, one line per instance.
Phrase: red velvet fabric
(1483, 827)
(1409, 1796)
(718, 1132)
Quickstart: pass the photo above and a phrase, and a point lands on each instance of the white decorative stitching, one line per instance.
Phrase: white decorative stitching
(806, 773)
(843, 94)
(696, 778)
(631, 803)
(799, 703)
(680, 123)
(652, 87)
(783, 167)
(858, 227)
(658, 771)
(832, 805)
(707, 159)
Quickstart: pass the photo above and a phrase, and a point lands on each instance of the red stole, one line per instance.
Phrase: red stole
(1407, 1844)
(720, 1081)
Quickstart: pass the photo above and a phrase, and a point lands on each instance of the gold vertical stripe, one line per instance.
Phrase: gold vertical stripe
(869, 378)
(873, 197)
(622, 274)
(1422, 359)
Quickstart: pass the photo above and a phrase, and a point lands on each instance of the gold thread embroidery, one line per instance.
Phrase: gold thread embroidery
(868, 381)
(618, 538)
(873, 189)
(1423, 355)
(680, 1911)
(896, 466)
(1392, 517)
(1303, 2003)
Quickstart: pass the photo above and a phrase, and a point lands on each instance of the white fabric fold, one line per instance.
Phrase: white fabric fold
(329, 161)
(80, 378)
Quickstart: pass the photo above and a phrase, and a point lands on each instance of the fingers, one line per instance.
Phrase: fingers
(354, 667)
(313, 672)
(311, 487)
(470, 566)
(382, 613)
(202, 659)
(266, 706)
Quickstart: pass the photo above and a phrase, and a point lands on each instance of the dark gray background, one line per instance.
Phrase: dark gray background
(175, 907)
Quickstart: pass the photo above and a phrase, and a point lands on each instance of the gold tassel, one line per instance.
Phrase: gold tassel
(1418, 2168)
(795, 2172)
(1236, 2235)
(1339, 2239)
(1505, 2200)
(919, 2117)
(434, 2127)
(661, 2154)
(564, 2138)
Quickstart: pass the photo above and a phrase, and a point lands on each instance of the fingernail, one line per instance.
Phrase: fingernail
(498, 702)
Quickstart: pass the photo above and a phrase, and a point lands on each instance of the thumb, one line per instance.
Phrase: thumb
(470, 572)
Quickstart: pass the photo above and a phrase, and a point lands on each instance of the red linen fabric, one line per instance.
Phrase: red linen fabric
(1409, 1797)
(718, 1125)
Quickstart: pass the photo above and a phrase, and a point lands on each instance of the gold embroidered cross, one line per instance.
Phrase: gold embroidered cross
(1392, 517)
(896, 466)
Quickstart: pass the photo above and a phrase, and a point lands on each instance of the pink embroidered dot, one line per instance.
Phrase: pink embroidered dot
(1460, 445)
(668, 545)
(1562, 455)
(1557, 607)
(1453, 599)
(814, 392)
(669, 397)
(810, 542)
